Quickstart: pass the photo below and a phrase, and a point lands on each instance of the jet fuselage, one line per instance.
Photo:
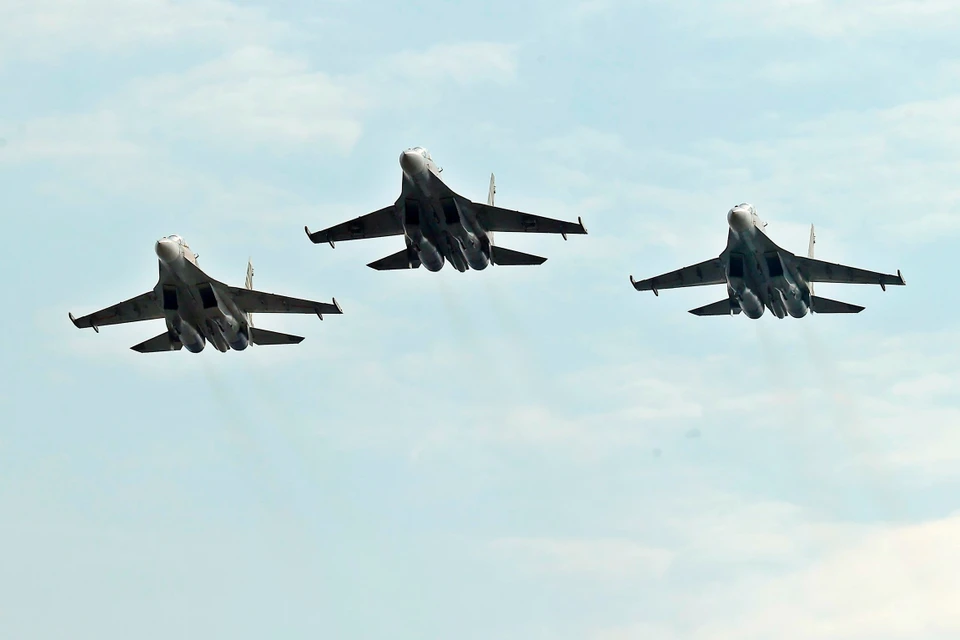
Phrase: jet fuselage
(194, 308)
(759, 275)
(439, 225)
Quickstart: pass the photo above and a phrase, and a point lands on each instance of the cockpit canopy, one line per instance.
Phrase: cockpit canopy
(752, 210)
(422, 151)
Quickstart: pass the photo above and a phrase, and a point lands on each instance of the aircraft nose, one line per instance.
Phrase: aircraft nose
(167, 250)
(412, 163)
(739, 219)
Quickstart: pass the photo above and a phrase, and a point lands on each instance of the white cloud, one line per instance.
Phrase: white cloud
(928, 386)
(256, 95)
(714, 527)
(48, 28)
(884, 177)
(600, 557)
(889, 172)
(860, 394)
(899, 582)
(885, 582)
(465, 63)
(639, 631)
(786, 572)
(72, 137)
(583, 144)
(820, 18)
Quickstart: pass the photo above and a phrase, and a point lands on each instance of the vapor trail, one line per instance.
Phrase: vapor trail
(242, 430)
(847, 414)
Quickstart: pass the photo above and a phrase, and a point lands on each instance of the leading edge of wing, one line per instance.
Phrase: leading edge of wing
(496, 219)
(704, 273)
(378, 224)
(136, 309)
(814, 270)
(253, 301)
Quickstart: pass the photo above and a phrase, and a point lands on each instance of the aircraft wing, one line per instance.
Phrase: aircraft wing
(708, 272)
(496, 219)
(814, 270)
(251, 301)
(142, 307)
(378, 224)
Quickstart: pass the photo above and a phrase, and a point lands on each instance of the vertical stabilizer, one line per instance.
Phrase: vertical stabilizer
(248, 283)
(813, 241)
(490, 193)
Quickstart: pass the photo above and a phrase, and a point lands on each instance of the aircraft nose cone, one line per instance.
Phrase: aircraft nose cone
(167, 250)
(739, 220)
(412, 163)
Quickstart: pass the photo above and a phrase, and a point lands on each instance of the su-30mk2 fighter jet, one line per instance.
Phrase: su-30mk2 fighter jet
(439, 225)
(760, 275)
(198, 308)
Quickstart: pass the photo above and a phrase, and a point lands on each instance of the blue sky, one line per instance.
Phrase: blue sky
(516, 453)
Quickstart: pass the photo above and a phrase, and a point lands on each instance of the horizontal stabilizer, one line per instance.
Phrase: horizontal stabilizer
(163, 342)
(824, 305)
(403, 259)
(264, 337)
(499, 255)
(725, 307)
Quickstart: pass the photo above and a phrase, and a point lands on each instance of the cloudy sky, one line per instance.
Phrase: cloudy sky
(516, 453)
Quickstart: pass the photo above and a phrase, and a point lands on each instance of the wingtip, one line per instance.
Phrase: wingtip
(337, 305)
(306, 230)
(900, 275)
(582, 228)
(634, 283)
(76, 323)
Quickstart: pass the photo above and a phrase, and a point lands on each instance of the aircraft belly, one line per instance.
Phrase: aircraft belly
(191, 320)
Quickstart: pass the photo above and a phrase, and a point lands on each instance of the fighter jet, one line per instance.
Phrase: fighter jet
(439, 225)
(760, 275)
(198, 308)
